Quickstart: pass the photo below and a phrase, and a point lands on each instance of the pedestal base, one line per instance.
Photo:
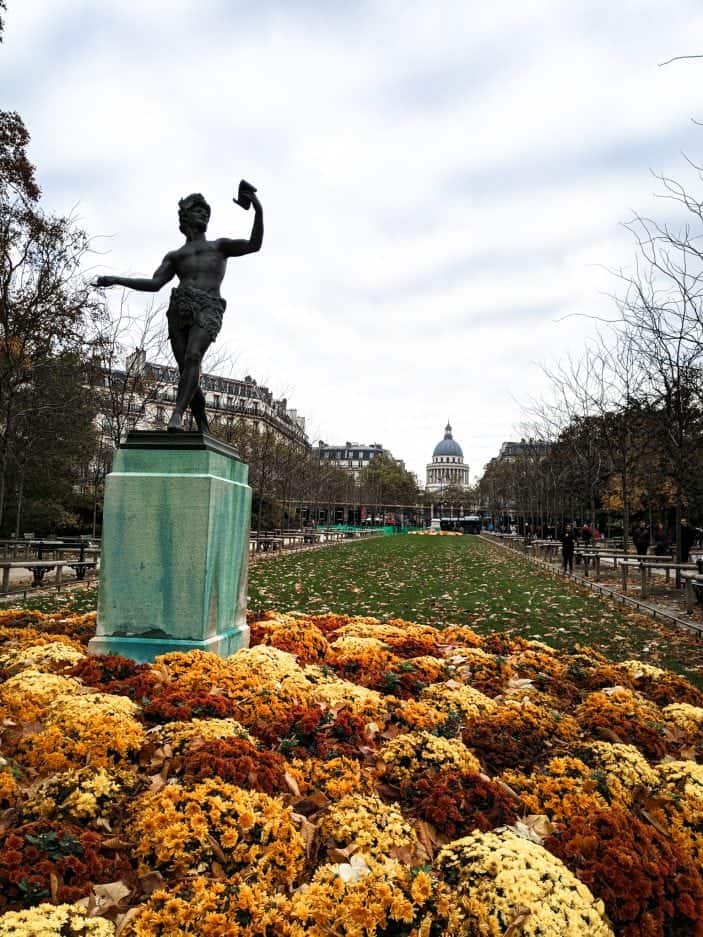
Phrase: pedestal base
(175, 548)
(144, 650)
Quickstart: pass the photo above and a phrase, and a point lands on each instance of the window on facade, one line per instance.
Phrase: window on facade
(160, 415)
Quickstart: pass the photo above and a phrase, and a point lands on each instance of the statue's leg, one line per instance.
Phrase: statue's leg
(179, 343)
(197, 408)
(198, 343)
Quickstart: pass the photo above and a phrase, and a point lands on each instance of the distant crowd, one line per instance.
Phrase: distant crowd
(663, 541)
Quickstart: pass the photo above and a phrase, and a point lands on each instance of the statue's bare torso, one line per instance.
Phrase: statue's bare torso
(201, 264)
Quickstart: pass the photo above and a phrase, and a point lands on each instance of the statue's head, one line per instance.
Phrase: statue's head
(193, 214)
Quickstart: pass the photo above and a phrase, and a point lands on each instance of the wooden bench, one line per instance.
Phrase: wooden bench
(587, 554)
(693, 583)
(268, 544)
(39, 568)
(646, 564)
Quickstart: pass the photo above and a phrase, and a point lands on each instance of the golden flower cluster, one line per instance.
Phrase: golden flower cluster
(458, 697)
(638, 668)
(99, 729)
(9, 788)
(416, 714)
(622, 769)
(505, 881)
(366, 897)
(633, 718)
(406, 756)
(564, 787)
(367, 660)
(538, 659)
(52, 656)
(179, 735)
(330, 692)
(294, 633)
(87, 794)
(266, 683)
(27, 694)
(687, 718)
(336, 777)
(678, 793)
(17, 638)
(364, 823)
(218, 828)
(208, 907)
(48, 920)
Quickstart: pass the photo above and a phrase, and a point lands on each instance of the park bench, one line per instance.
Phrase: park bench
(588, 555)
(693, 583)
(39, 569)
(646, 564)
(546, 548)
(267, 543)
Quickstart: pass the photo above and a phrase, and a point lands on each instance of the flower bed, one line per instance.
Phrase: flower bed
(345, 776)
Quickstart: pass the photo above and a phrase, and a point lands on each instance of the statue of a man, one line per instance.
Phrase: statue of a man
(196, 307)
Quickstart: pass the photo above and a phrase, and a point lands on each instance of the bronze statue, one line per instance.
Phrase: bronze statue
(196, 307)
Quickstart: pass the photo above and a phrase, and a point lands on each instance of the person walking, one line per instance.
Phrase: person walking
(661, 541)
(567, 549)
(641, 538)
(688, 537)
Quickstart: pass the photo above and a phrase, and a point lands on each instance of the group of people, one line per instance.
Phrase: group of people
(642, 538)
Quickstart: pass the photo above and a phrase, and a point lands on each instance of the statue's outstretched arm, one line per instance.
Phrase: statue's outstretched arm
(235, 248)
(163, 273)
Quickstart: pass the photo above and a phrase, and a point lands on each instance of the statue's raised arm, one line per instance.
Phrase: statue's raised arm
(236, 248)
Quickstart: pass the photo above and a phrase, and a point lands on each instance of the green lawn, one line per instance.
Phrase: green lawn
(443, 580)
(464, 580)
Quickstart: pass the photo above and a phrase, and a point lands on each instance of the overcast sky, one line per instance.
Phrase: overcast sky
(443, 182)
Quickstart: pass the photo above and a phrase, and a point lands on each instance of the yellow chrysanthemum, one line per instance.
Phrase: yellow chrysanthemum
(184, 831)
(497, 875)
(408, 755)
(48, 920)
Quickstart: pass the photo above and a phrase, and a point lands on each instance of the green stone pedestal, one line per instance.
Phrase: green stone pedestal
(175, 548)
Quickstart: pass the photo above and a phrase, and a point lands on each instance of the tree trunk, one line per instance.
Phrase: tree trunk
(625, 517)
(4, 459)
(20, 498)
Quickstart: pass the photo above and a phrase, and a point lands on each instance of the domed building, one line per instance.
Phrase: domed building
(447, 465)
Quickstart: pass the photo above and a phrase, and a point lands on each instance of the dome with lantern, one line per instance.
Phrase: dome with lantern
(447, 467)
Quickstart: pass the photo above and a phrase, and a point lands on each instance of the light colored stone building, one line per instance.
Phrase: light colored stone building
(353, 457)
(447, 467)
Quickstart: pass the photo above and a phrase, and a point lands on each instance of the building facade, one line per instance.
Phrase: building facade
(352, 457)
(510, 451)
(447, 468)
(144, 392)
